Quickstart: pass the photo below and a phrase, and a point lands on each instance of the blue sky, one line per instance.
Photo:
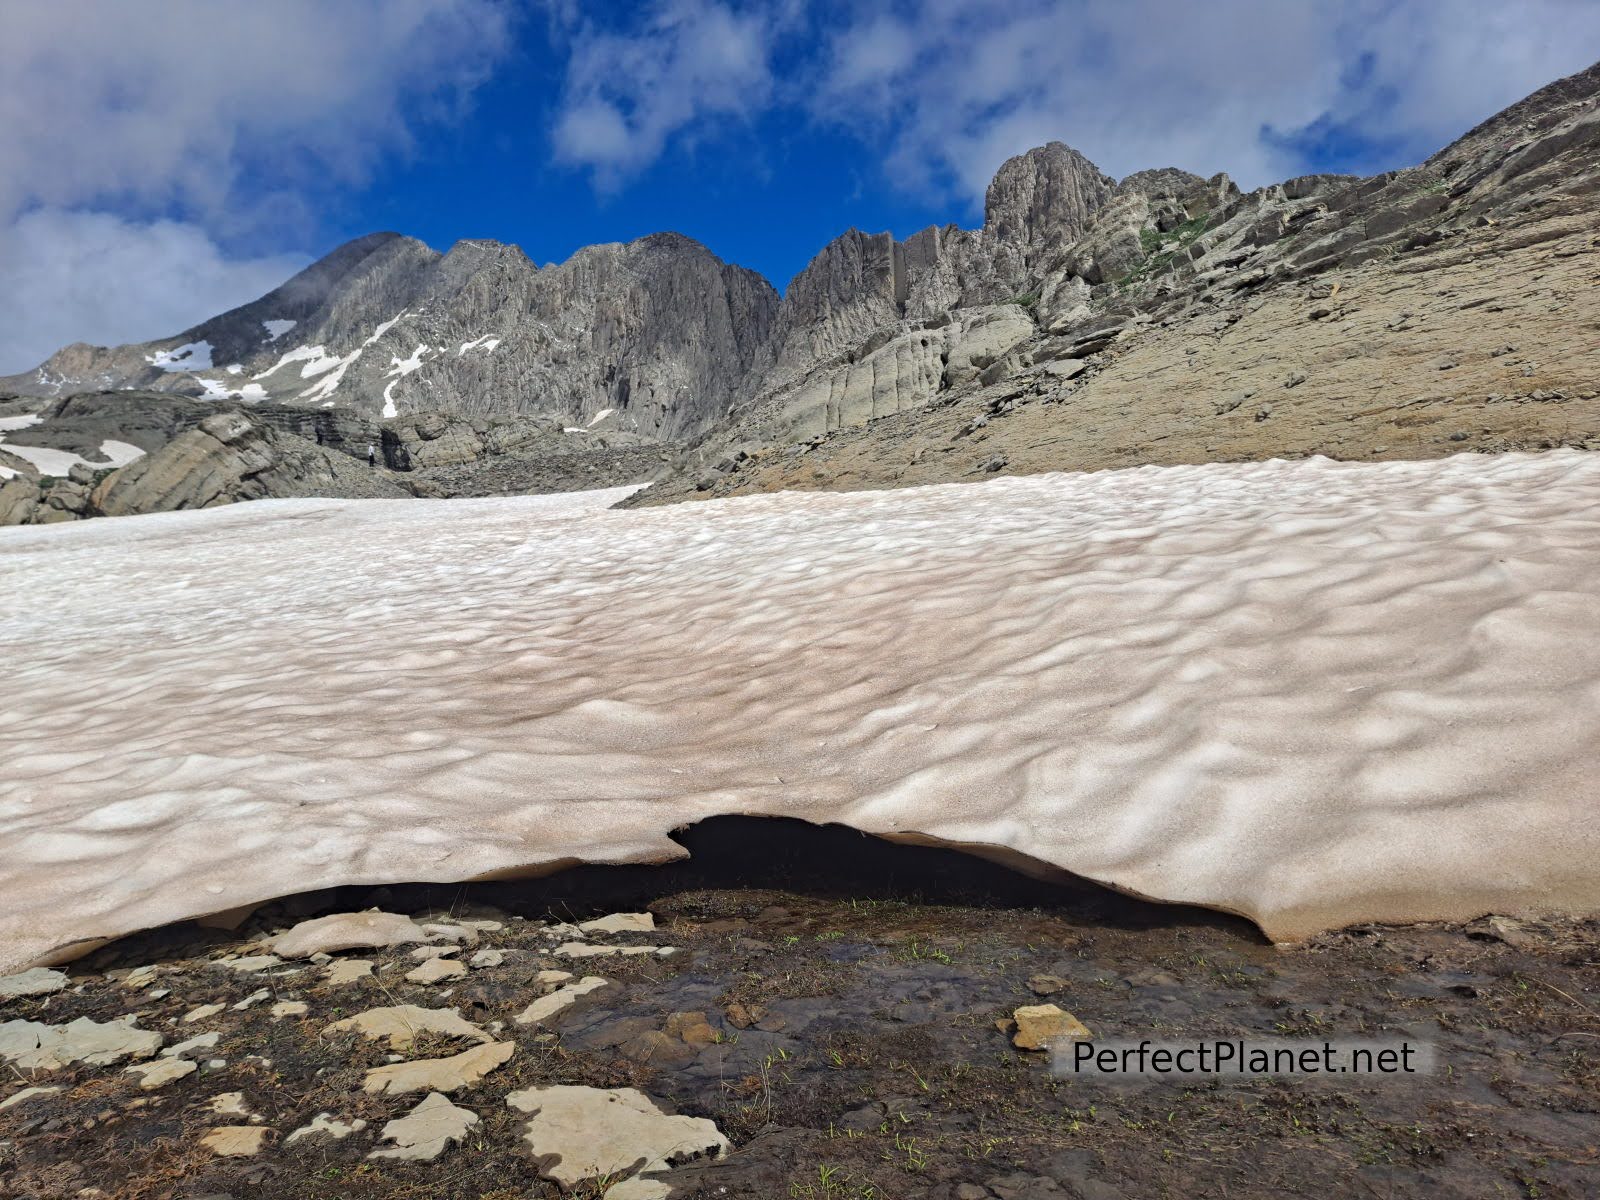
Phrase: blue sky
(163, 161)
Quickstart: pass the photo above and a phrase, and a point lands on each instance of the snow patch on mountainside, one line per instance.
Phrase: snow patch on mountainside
(486, 342)
(216, 389)
(49, 461)
(405, 366)
(1314, 693)
(192, 356)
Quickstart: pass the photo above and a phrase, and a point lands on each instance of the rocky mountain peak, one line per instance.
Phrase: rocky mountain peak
(1043, 199)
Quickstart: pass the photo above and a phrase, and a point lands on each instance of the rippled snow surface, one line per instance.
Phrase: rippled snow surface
(1310, 692)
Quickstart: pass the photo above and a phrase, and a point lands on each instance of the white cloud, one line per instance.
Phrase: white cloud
(954, 87)
(181, 108)
(73, 276)
(945, 90)
(687, 65)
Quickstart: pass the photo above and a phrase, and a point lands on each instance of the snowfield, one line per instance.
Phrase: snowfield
(1312, 693)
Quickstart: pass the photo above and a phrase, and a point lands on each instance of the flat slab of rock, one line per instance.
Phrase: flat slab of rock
(427, 1130)
(641, 922)
(32, 1046)
(400, 1024)
(585, 950)
(37, 981)
(27, 1094)
(578, 1133)
(347, 970)
(236, 1141)
(546, 1007)
(325, 1125)
(163, 1071)
(352, 931)
(437, 970)
(439, 1074)
(230, 1104)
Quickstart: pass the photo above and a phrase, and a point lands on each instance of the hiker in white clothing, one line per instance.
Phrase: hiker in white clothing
(372, 455)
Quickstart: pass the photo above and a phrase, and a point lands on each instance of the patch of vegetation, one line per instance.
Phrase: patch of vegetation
(1150, 242)
(1028, 300)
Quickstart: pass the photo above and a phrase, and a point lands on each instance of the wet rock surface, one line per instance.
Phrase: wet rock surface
(851, 1034)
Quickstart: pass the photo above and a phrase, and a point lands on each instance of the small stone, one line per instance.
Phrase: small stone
(546, 1007)
(140, 976)
(324, 1125)
(1046, 985)
(439, 1074)
(480, 924)
(252, 999)
(1040, 1024)
(692, 1027)
(486, 958)
(424, 953)
(289, 1008)
(552, 978)
(347, 970)
(204, 1041)
(36, 981)
(236, 1141)
(201, 1013)
(742, 1017)
(437, 970)
(161, 1072)
(427, 1130)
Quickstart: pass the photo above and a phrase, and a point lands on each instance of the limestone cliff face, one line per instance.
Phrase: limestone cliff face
(655, 334)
